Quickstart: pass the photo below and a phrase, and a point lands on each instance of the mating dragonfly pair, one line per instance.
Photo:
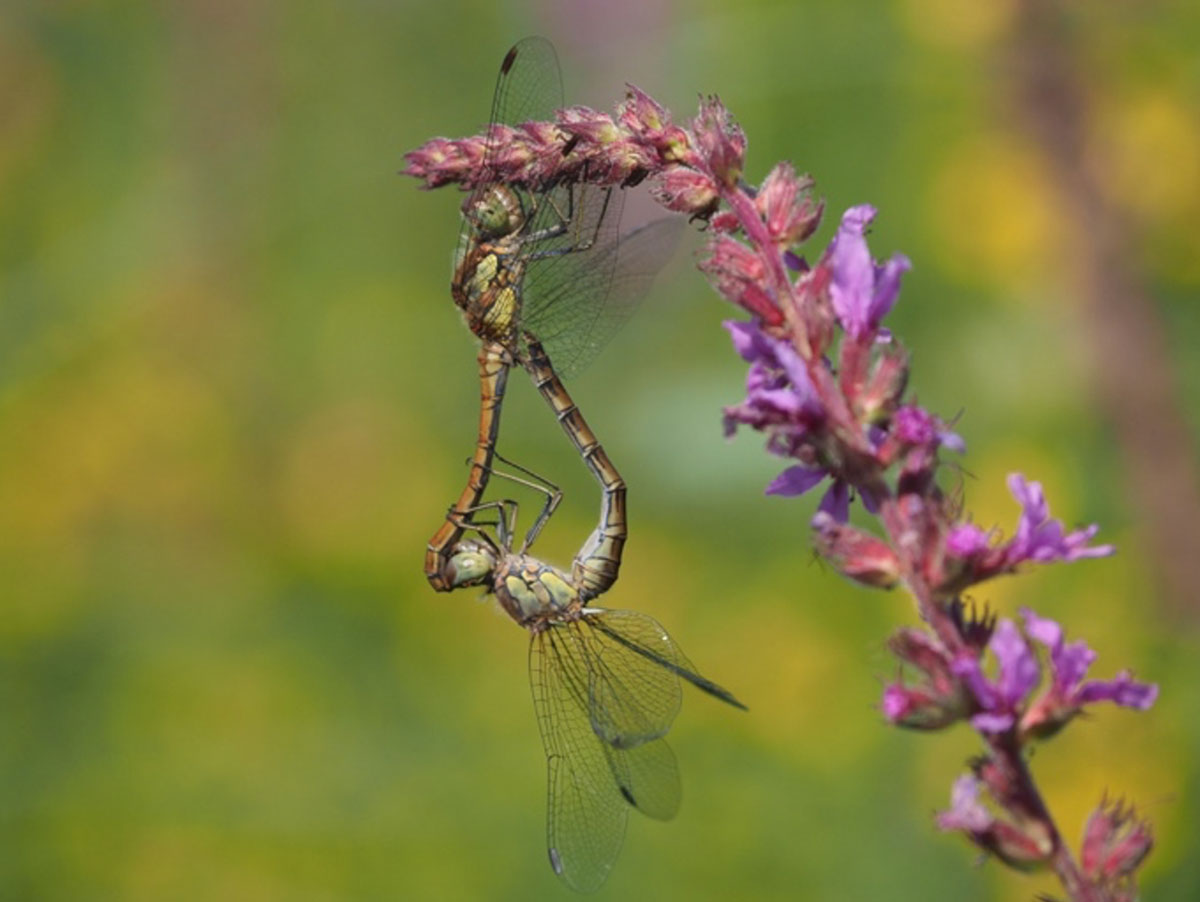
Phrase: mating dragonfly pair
(544, 275)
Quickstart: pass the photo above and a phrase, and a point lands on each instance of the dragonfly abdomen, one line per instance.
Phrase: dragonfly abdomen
(599, 560)
(494, 362)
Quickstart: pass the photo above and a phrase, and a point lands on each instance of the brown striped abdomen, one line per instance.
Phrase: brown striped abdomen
(494, 362)
(595, 567)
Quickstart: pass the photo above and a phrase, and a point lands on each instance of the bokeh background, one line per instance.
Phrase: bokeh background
(235, 400)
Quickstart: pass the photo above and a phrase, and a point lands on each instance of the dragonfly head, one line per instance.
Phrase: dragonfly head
(471, 564)
(494, 211)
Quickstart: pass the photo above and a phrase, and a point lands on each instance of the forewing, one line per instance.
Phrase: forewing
(586, 813)
(643, 638)
(574, 301)
(528, 88)
(632, 697)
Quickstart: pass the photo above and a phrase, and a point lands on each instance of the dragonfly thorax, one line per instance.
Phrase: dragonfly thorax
(533, 592)
(494, 212)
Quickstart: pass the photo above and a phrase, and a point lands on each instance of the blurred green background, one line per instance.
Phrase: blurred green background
(235, 401)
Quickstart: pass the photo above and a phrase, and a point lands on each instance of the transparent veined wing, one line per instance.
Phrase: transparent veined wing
(648, 777)
(605, 690)
(632, 697)
(639, 636)
(528, 88)
(585, 811)
(574, 302)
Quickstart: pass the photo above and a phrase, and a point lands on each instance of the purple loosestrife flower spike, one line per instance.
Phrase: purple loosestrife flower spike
(837, 410)
(862, 291)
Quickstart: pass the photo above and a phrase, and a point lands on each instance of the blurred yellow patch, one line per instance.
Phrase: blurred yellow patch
(993, 211)
(355, 481)
(1147, 153)
(954, 24)
(800, 682)
(119, 441)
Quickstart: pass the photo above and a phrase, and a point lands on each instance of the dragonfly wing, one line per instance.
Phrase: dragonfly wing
(586, 813)
(575, 301)
(648, 777)
(632, 698)
(643, 641)
(528, 88)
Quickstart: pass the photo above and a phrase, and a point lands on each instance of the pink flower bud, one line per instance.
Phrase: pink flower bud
(1025, 847)
(856, 554)
(783, 202)
(737, 273)
(686, 191)
(722, 145)
(1115, 843)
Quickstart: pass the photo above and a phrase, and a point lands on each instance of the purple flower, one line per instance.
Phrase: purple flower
(1041, 539)
(1018, 673)
(938, 699)
(649, 122)
(974, 555)
(966, 812)
(862, 291)
(780, 399)
(967, 540)
(1068, 693)
(797, 480)
(1022, 846)
(915, 426)
(855, 553)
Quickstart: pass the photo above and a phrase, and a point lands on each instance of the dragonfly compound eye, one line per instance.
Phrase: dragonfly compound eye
(469, 567)
(498, 212)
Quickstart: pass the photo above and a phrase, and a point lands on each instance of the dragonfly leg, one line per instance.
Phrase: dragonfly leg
(563, 226)
(552, 493)
(505, 524)
(596, 565)
(538, 484)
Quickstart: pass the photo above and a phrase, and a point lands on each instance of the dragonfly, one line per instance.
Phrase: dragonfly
(540, 273)
(606, 689)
